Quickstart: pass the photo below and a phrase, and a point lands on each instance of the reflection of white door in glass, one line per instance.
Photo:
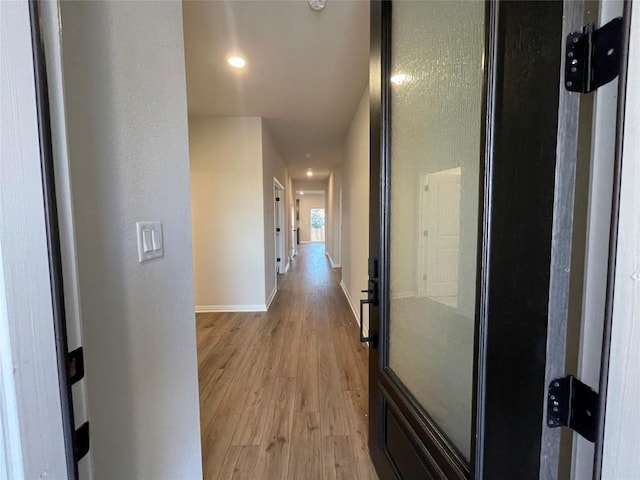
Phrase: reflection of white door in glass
(440, 236)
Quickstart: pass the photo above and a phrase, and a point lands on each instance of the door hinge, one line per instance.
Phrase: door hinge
(75, 365)
(573, 404)
(592, 57)
(81, 442)
(277, 229)
(278, 259)
(277, 199)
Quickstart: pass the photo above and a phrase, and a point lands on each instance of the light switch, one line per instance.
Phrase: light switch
(156, 236)
(149, 241)
(147, 244)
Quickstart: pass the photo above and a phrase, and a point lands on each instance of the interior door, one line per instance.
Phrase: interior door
(466, 118)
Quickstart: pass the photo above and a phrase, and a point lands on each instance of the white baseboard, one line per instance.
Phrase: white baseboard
(354, 309)
(304, 241)
(333, 264)
(272, 295)
(286, 269)
(238, 308)
(230, 308)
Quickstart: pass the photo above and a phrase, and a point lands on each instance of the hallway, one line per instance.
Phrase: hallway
(283, 393)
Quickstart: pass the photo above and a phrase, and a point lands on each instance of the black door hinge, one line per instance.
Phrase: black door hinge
(592, 57)
(81, 442)
(573, 404)
(75, 365)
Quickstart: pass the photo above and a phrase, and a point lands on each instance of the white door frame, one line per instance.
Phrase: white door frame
(621, 420)
(279, 223)
(30, 392)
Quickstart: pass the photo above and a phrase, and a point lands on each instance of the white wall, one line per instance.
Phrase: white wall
(334, 217)
(622, 419)
(273, 166)
(307, 202)
(316, 185)
(228, 213)
(128, 151)
(31, 432)
(355, 204)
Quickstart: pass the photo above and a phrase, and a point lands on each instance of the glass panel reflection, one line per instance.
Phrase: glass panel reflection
(436, 100)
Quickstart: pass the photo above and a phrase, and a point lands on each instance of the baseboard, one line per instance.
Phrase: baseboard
(272, 296)
(333, 264)
(303, 242)
(230, 308)
(354, 309)
(286, 269)
(356, 314)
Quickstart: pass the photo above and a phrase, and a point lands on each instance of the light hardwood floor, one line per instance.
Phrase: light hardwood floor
(283, 394)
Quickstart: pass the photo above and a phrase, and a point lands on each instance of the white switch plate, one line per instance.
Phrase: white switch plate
(150, 243)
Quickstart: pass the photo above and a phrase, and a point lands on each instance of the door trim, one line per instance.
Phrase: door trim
(562, 240)
(53, 238)
(484, 238)
(613, 237)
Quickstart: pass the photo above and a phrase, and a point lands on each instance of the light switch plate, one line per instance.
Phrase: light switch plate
(150, 244)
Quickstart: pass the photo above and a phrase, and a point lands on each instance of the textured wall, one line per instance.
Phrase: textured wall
(128, 152)
(355, 203)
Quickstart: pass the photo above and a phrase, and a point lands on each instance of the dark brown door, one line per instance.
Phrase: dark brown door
(464, 133)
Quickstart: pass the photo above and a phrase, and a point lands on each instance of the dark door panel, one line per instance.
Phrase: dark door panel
(458, 357)
(522, 196)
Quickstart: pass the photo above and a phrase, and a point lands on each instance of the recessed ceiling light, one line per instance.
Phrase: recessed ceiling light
(307, 155)
(236, 62)
(309, 172)
(317, 5)
(399, 78)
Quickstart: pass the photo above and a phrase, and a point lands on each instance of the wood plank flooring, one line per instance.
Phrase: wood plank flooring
(283, 394)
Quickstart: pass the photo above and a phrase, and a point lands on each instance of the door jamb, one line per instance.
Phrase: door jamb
(278, 222)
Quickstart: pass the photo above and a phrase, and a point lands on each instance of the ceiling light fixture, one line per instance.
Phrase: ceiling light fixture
(317, 5)
(399, 78)
(301, 193)
(309, 172)
(236, 61)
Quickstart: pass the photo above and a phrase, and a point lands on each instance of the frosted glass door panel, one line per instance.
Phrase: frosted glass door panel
(436, 118)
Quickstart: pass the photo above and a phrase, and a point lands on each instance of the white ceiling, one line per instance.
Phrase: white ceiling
(305, 73)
